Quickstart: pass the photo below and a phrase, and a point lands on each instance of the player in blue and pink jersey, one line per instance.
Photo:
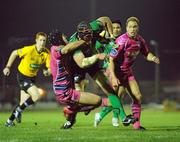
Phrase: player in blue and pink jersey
(63, 84)
(122, 60)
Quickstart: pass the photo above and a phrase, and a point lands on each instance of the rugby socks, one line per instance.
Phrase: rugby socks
(136, 110)
(12, 117)
(27, 103)
(105, 111)
(20, 109)
(117, 107)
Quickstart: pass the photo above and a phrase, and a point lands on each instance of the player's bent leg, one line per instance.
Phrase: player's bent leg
(34, 93)
(87, 98)
(92, 100)
(101, 80)
(87, 101)
(23, 97)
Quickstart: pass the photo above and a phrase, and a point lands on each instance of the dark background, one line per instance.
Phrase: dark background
(160, 21)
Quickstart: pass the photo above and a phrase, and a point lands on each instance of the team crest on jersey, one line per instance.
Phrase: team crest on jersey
(113, 52)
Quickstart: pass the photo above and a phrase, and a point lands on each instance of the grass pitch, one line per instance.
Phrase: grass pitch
(44, 126)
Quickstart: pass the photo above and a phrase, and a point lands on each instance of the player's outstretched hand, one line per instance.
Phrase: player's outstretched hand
(156, 60)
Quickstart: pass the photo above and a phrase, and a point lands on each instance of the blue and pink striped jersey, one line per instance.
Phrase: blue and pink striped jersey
(61, 75)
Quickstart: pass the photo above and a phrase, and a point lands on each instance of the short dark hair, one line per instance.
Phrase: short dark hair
(55, 38)
(84, 30)
(117, 21)
(83, 26)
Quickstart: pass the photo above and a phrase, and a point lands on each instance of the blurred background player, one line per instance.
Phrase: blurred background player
(63, 83)
(31, 59)
(117, 28)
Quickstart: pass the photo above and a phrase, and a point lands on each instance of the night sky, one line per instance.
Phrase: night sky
(160, 21)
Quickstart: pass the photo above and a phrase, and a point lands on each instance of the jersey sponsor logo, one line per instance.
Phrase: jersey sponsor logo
(113, 52)
(132, 54)
(35, 66)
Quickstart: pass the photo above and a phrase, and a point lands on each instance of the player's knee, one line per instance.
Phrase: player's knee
(35, 97)
(99, 102)
(138, 97)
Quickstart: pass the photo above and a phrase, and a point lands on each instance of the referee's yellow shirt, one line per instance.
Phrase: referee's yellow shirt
(31, 60)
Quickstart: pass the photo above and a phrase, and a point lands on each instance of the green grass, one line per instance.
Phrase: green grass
(161, 127)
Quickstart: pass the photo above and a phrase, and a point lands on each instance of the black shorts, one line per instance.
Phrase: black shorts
(24, 81)
(80, 74)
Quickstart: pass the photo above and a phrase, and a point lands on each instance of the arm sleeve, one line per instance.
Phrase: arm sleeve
(23, 51)
(144, 48)
(115, 52)
(73, 37)
(96, 26)
(55, 54)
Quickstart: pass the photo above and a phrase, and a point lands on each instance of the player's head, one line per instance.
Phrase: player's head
(41, 38)
(84, 31)
(56, 38)
(117, 28)
(132, 26)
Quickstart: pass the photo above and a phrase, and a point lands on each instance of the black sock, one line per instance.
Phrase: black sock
(28, 102)
(12, 117)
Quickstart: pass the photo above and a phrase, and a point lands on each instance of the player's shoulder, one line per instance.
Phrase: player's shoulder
(122, 39)
(27, 48)
(140, 38)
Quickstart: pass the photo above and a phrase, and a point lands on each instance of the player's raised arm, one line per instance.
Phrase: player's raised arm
(106, 21)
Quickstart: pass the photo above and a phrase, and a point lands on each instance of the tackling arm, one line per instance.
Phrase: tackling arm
(72, 46)
(83, 61)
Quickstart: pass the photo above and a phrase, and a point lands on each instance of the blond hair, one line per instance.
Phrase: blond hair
(132, 19)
